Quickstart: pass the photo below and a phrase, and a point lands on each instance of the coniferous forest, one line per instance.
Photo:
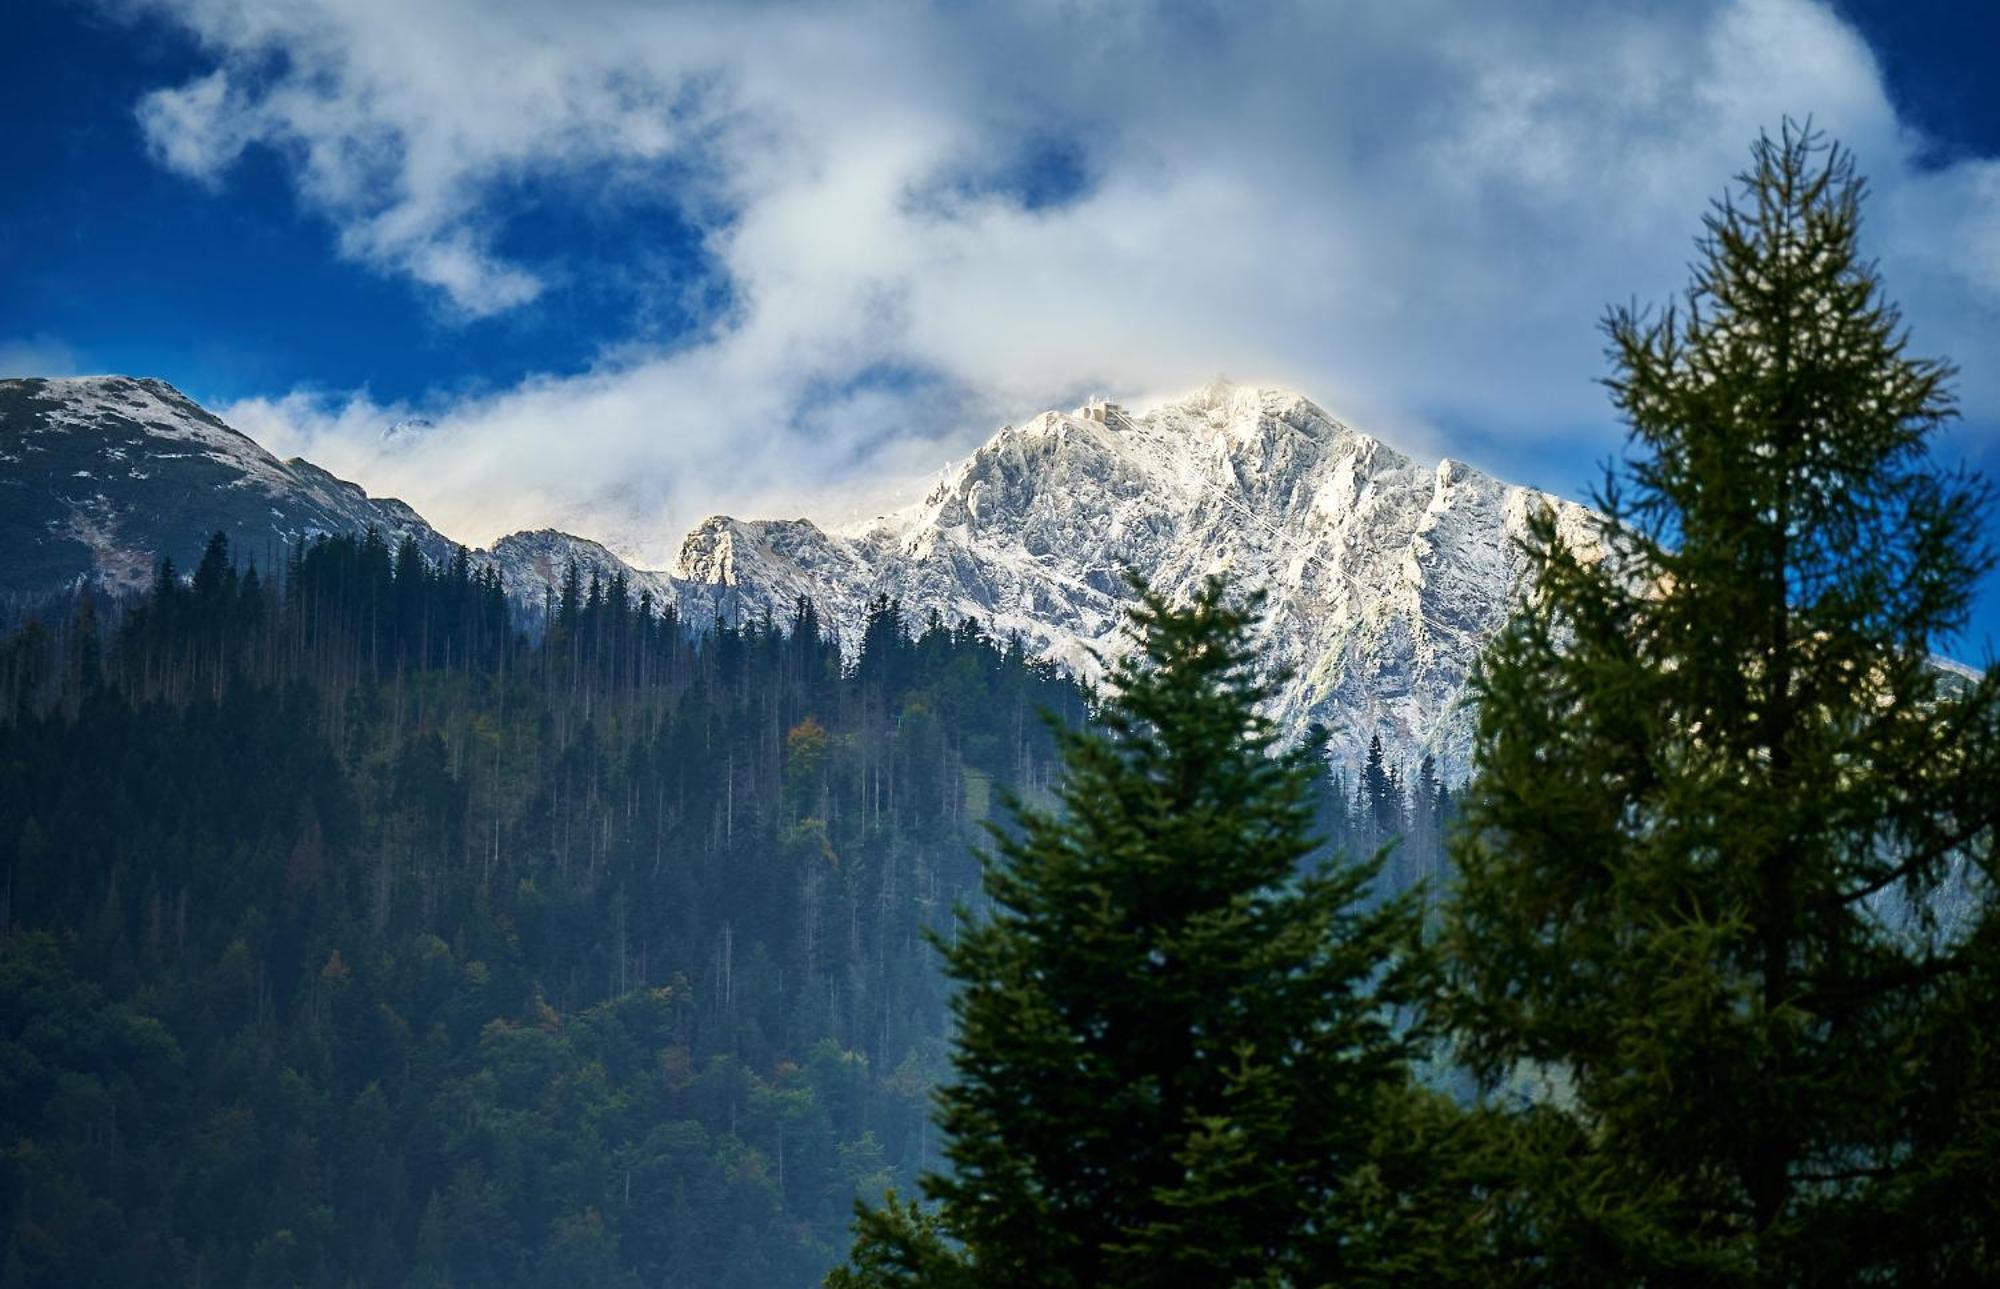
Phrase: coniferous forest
(355, 936)
(352, 937)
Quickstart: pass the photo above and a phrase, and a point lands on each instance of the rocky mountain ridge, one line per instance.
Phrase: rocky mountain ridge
(1385, 576)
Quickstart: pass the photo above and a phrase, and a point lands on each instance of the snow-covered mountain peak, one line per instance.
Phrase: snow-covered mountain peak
(1222, 401)
(1385, 576)
(769, 563)
(109, 407)
(1245, 414)
(84, 395)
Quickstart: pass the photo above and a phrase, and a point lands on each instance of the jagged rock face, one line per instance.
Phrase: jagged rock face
(753, 566)
(100, 476)
(1385, 576)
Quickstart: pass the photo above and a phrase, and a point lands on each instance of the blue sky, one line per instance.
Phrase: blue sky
(641, 263)
(112, 261)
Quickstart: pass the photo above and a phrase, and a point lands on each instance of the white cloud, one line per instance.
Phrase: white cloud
(199, 128)
(1415, 213)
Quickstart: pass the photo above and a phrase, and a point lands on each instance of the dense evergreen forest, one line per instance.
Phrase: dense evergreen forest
(354, 935)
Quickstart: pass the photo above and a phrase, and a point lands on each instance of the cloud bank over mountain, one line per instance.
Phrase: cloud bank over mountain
(911, 221)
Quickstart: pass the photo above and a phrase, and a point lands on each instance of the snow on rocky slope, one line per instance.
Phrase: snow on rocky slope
(1385, 575)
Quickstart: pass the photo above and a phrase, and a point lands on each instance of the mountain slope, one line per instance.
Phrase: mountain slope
(1385, 576)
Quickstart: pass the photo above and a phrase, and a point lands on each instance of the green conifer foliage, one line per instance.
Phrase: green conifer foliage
(1726, 867)
(352, 934)
(1175, 1035)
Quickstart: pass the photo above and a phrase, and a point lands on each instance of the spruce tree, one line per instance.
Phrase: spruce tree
(1725, 891)
(1176, 1046)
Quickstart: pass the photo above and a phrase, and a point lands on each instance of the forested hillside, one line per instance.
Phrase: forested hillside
(352, 937)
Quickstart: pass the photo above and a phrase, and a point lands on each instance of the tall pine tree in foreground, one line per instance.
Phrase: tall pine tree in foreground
(1726, 871)
(1177, 1062)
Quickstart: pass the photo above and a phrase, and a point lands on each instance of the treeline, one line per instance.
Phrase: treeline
(353, 937)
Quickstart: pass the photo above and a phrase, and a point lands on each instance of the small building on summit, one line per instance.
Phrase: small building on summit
(1104, 412)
